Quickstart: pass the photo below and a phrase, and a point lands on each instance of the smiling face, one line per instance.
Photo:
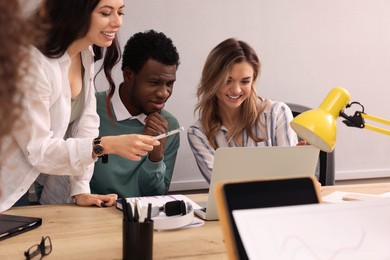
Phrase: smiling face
(147, 91)
(106, 19)
(237, 87)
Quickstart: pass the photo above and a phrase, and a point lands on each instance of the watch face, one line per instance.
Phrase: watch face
(98, 149)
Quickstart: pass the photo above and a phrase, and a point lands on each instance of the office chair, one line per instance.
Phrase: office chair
(327, 161)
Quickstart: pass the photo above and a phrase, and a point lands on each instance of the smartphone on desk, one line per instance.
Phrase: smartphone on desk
(259, 194)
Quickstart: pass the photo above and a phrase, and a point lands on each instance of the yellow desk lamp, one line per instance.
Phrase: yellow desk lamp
(318, 126)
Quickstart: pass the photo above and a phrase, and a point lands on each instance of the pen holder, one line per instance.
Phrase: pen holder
(137, 240)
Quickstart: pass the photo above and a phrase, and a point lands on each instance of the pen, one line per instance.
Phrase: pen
(158, 137)
(129, 212)
(359, 196)
(141, 210)
(149, 215)
(124, 209)
(136, 213)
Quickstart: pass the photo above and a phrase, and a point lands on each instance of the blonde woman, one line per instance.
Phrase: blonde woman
(231, 113)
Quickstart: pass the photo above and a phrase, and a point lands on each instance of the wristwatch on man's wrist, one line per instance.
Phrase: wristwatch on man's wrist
(98, 149)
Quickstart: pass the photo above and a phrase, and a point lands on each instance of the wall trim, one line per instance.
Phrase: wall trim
(188, 185)
(340, 175)
(365, 174)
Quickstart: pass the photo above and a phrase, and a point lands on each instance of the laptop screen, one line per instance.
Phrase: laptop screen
(254, 163)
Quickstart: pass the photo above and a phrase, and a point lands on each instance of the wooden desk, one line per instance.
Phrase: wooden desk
(96, 233)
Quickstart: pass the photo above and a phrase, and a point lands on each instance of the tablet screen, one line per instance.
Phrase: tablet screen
(11, 225)
(266, 193)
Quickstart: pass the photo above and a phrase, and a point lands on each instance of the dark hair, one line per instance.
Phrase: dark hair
(147, 45)
(63, 22)
(142, 47)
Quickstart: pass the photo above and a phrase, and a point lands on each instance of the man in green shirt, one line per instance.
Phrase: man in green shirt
(149, 65)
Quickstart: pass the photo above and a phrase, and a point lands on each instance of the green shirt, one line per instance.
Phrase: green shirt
(129, 178)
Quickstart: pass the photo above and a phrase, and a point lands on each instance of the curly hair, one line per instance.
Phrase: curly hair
(142, 47)
(214, 74)
(14, 43)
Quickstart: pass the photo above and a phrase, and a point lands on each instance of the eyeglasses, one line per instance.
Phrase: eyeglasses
(42, 249)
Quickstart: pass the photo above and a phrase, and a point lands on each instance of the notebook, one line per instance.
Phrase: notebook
(355, 230)
(260, 194)
(11, 225)
(254, 163)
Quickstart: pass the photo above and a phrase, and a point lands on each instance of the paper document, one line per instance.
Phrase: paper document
(358, 230)
(161, 200)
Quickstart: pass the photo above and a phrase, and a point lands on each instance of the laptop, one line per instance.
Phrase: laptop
(255, 163)
(11, 225)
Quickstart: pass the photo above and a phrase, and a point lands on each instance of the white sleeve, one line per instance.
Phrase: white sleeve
(40, 138)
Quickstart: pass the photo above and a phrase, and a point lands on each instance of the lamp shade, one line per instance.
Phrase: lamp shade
(318, 126)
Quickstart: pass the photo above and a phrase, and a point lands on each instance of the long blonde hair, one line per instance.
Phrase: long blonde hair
(214, 74)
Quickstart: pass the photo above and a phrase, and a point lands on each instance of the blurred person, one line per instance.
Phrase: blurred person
(15, 40)
(16, 36)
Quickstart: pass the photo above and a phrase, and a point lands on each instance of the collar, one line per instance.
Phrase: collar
(86, 58)
(64, 59)
(121, 112)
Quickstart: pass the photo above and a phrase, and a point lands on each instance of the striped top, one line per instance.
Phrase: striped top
(273, 127)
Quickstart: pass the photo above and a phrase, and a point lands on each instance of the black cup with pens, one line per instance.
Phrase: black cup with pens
(137, 233)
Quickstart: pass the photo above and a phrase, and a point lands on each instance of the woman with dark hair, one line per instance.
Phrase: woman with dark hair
(230, 111)
(59, 136)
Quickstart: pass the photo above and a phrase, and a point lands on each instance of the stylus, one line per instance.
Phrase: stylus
(158, 137)
(360, 196)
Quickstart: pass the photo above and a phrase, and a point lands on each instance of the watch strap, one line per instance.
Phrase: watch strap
(97, 142)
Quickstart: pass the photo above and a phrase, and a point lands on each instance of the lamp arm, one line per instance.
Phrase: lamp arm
(375, 128)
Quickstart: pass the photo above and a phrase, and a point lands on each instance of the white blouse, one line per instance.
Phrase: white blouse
(37, 143)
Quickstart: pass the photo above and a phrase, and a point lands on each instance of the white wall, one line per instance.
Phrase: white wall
(307, 47)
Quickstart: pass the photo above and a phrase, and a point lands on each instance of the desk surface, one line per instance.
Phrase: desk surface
(96, 233)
